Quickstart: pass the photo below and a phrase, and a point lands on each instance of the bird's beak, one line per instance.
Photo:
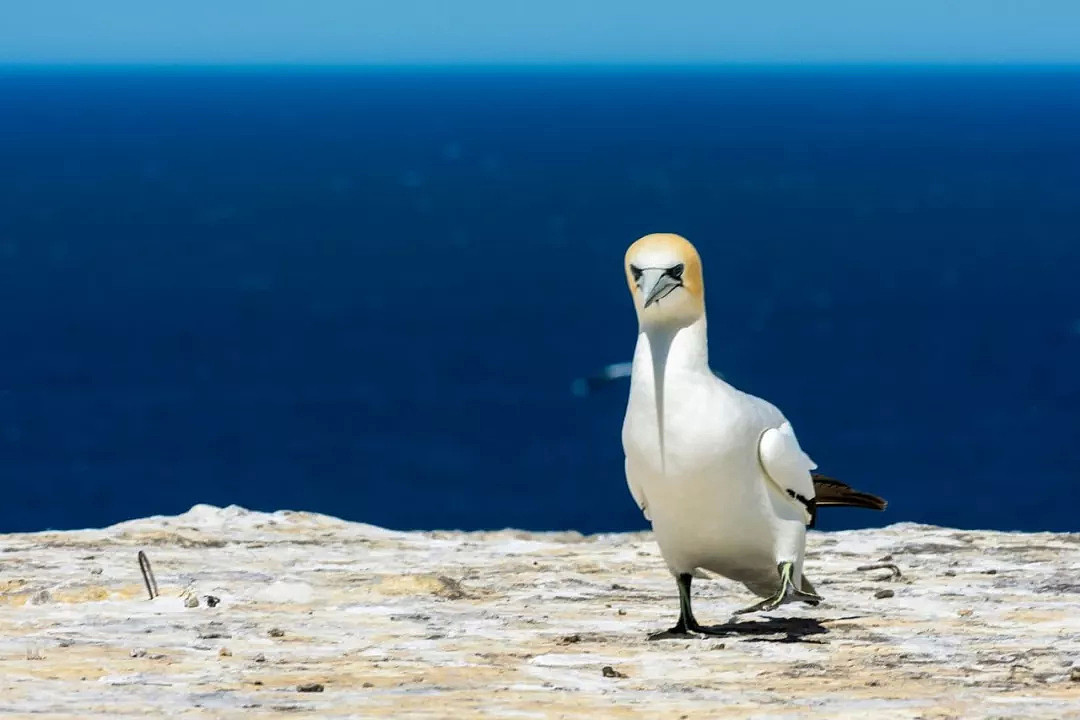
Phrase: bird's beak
(655, 283)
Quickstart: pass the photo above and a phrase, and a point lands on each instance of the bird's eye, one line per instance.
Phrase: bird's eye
(636, 272)
(676, 271)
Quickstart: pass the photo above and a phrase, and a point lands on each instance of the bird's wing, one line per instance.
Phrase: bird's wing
(785, 464)
(830, 492)
(637, 492)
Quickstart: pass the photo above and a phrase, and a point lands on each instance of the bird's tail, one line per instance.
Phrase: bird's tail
(833, 493)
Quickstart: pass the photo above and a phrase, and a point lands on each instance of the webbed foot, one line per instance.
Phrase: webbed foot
(673, 634)
(785, 594)
(684, 632)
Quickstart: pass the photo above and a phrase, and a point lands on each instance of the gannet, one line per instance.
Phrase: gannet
(718, 472)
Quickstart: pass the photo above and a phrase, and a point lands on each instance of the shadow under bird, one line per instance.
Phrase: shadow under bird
(718, 472)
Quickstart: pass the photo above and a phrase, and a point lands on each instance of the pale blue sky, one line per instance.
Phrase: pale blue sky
(539, 31)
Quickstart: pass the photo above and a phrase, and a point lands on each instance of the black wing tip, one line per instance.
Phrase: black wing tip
(875, 503)
(834, 493)
(871, 502)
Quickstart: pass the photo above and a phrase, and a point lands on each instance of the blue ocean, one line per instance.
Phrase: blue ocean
(368, 292)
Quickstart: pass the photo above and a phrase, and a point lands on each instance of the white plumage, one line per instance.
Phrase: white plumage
(718, 472)
(718, 494)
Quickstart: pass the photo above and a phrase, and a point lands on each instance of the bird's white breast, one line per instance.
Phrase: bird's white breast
(706, 495)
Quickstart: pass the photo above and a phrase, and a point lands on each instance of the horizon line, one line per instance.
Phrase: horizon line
(537, 65)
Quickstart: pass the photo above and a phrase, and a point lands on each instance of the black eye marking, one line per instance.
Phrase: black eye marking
(636, 272)
(676, 271)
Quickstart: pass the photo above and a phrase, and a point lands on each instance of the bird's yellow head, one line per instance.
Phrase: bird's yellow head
(664, 274)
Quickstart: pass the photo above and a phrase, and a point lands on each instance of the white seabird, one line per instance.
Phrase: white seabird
(718, 472)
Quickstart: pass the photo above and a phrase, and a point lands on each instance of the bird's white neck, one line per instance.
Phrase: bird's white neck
(670, 348)
(665, 350)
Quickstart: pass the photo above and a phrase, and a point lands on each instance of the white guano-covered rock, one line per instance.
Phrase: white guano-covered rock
(297, 614)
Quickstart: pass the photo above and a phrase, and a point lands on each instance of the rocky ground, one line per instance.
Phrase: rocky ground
(297, 614)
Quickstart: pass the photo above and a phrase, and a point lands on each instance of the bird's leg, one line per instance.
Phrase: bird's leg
(687, 624)
(786, 593)
(686, 615)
